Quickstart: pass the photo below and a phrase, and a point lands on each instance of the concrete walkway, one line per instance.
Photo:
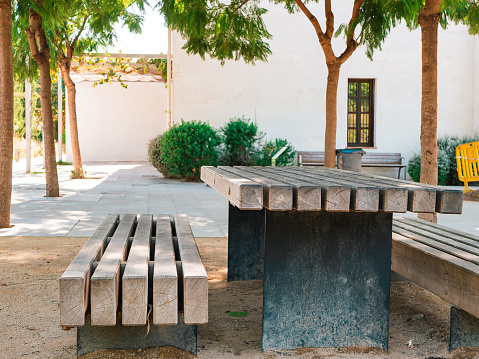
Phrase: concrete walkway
(110, 188)
(133, 188)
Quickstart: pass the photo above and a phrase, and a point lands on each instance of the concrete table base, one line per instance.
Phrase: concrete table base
(326, 279)
(464, 329)
(91, 338)
(245, 244)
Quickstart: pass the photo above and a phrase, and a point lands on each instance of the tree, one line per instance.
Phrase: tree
(428, 15)
(236, 30)
(6, 112)
(86, 25)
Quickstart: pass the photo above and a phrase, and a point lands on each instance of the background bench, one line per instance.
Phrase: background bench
(130, 273)
(370, 159)
(445, 262)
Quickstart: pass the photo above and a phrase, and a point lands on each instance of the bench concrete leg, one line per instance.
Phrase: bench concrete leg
(464, 330)
(245, 244)
(326, 279)
(91, 338)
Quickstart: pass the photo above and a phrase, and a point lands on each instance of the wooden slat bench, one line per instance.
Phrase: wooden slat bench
(370, 159)
(127, 270)
(444, 261)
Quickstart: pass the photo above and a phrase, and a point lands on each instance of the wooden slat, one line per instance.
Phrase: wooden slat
(135, 277)
(241, 192)
(449, 277)
(165, 276)
(306, 196)
(195, 279)
(420, 198)
(106, 278)
(364, 198)
(440, 227)
(443, 244)
(75, 281)
(277, 196)
(391, 198)
(334, 197)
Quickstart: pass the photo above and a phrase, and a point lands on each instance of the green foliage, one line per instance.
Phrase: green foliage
(187, 146)
(270, 148)
(240, 137)
(448, 144)
(225, 31)
(154, 156)
(414, 167)
(447, 165)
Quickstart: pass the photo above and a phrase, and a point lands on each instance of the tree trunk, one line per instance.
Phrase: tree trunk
(6, 112)
(41, 53)
(331, 114)
(72, 112)
(429, 21)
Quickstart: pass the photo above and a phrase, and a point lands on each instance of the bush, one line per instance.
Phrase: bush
(240, 137)
(154, 155)
(270, 148)
(414, 167)
(448, 145)
(186, 147)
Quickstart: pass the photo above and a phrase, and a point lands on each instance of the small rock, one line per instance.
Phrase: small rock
(417, 317)
(410, 344)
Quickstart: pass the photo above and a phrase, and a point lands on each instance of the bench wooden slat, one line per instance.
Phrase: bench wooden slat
(443, 244)
(421, 198)
(306, 196)
(364, 198)
(239, 191)
(277, 196)
(450, 277)
(195, 279)
(135, 277)
(75, 281)
(106, 278)
(165, 277)
(449, 234)
(391, 198)
(334, 197)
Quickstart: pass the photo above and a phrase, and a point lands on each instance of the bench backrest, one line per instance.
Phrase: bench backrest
(377, 158)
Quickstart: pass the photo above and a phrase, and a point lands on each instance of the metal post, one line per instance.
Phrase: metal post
(168, 81)
(28, 125)
(60, 116)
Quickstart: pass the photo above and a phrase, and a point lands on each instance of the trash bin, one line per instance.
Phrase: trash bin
(349, 159)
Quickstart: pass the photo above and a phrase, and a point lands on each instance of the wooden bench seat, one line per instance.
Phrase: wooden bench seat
(369, 159)
(444, 261)
(128, 269)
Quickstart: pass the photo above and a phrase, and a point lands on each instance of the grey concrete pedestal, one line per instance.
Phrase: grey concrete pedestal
(245, 244)
(326, 279)
(91, 338)
(464, 330)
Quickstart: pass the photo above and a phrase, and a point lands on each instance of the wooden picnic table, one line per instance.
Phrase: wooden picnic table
(321, 240)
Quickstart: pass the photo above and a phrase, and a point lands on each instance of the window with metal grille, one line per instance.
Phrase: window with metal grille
(360, 113)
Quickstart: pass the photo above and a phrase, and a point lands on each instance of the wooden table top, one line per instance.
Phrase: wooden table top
(320, 188)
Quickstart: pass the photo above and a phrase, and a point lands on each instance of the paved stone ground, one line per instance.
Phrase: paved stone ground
(126, 187)
(110, 188)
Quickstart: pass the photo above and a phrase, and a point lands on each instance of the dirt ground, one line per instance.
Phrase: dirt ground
(29, 312)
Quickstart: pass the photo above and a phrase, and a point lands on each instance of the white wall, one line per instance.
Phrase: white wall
(286, 95)
(116, 124)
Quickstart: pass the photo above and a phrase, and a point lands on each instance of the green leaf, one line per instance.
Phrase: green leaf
(238, 314)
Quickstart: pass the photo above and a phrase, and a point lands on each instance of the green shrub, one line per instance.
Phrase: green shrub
(187, 146)
(270, 148)
(414, 167)
(448, 144)
(241, 138)
(154, 155)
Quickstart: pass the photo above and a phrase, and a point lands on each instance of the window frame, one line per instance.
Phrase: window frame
(357, 113)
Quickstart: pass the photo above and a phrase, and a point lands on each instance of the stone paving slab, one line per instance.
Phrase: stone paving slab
(110, 188)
